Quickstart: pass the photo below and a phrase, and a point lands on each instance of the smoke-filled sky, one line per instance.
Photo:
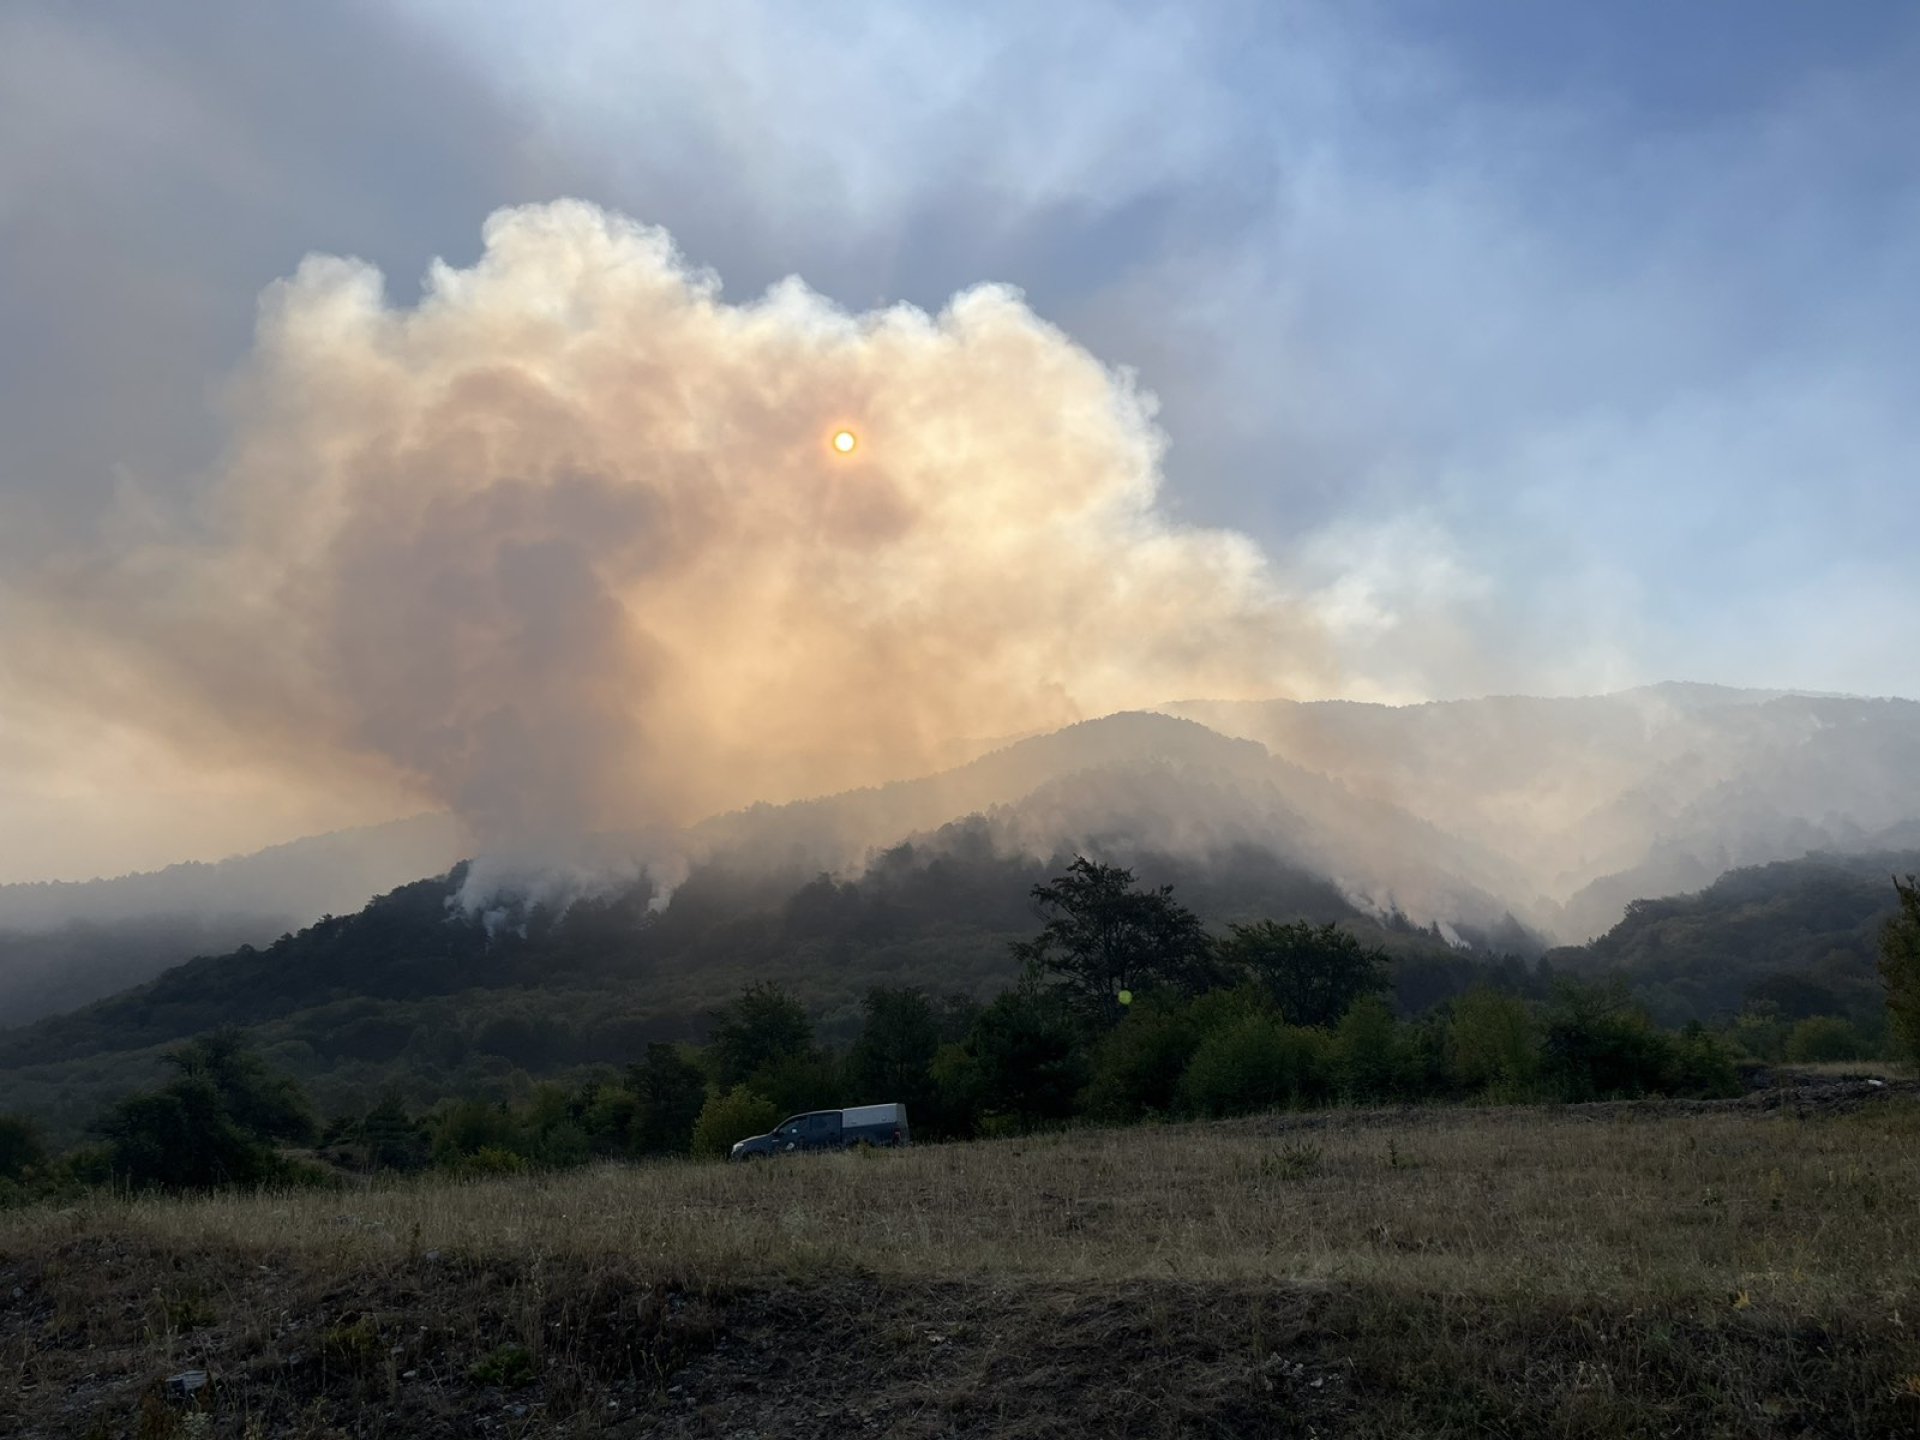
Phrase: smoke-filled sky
(1494, 347)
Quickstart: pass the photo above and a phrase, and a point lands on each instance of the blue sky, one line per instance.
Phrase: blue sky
(1548, 348)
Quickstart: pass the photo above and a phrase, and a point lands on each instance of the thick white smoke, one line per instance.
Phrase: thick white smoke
(566, 546)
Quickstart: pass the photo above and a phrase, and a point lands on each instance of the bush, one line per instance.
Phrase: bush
(1369, 1054)
(1256, 1063)
(1702, 1066)
(466, 1127)
(1599, 1047)
(492, 1160)
(1823, 1038)
(21, 1149)
(1137, 1066)
(730, 1117)
(1495, 1045)
(1026, 1056)
(214, 1124)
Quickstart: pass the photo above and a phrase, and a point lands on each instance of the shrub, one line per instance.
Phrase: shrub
(1701, 1066)
(1760, 1033)
(1256, 1063)
(511, 1367)
(732, 1116)
(1369, 1054)
(466, 1127)
(493, 1160)
(1026, 1055)
(1823, 1037)
(21, 1149)
(1600, 1047)
(1137, 1066)
(1495, 1044)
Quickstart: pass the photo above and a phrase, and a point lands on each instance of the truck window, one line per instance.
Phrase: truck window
(824, 1124)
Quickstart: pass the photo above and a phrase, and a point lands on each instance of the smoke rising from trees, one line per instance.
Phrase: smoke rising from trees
(565, 547)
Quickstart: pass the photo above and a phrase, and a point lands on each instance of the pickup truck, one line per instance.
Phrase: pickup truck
(829, 1130)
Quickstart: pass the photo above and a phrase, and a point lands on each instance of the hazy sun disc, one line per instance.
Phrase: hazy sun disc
(844, 441)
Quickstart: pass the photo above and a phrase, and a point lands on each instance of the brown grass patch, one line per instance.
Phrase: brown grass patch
(1619, 1270)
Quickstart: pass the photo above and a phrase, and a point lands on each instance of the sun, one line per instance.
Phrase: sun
(845, 441)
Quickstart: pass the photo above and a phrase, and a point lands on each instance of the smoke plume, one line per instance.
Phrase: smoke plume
(566, 546)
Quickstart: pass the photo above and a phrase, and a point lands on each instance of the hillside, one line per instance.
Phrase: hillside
(431, 992)
(414, 995)
(1802, 935)
(65, 943)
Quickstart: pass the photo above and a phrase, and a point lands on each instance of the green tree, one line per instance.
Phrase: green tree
(1137, 1065)
(1600, 1046)
(1102, 936)
(1370, 1056)
(1313, 972)
(761, 1027)
(21, 1148)
(394, 1140)
(893, 1058)
(730, 1117)
(807, 1081)
(463, 1128)
(1025, 1049)
(1823, 1038)
(1701, 1065)
(261, 1102)
(1494, 1044)
(181, 1138)
(1900, 968)
(215, 1123)
(669, 1092)
(1255, 1063)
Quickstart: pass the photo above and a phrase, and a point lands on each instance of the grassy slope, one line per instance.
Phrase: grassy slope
(1742, 1269)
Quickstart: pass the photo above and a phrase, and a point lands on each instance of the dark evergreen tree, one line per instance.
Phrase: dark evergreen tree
(668, 1091)
(1900, 967)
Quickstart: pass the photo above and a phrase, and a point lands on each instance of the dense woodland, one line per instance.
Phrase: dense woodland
(1121, 1006)
(415, 998)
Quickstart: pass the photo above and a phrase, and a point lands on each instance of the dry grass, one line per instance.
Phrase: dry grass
(1496, 1203)
(1627, 1269)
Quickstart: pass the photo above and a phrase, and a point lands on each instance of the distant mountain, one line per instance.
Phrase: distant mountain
(1146, 783)
(1599, 800)
(65, 943)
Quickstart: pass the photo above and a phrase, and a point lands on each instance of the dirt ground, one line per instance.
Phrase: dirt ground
(445, 1347)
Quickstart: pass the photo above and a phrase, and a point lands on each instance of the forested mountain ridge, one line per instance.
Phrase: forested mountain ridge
(63, 943)
(1800, 936)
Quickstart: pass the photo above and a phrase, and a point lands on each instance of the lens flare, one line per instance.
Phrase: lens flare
(844, 441)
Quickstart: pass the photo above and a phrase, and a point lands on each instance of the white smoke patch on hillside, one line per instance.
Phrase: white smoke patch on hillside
(565, 547)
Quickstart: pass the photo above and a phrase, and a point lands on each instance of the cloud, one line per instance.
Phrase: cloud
(564, 546)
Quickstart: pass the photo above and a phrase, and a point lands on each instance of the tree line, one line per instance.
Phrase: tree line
(1127, 1009)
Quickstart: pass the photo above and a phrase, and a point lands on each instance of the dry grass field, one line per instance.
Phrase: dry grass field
(1742, 1269)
